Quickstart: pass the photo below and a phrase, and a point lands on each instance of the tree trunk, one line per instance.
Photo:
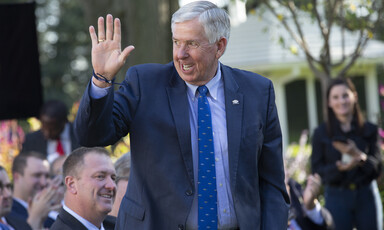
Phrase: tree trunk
(324, 82)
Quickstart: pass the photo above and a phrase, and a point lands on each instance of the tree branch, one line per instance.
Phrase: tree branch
(357, 53)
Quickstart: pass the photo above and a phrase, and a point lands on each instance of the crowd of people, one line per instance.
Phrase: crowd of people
(206, 147)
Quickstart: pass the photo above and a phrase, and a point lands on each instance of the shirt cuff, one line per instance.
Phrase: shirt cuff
(315, 214)
(97, 92)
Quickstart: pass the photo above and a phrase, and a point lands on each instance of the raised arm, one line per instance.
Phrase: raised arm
(107, 57)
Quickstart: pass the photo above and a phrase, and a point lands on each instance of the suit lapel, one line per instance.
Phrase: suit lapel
(234, 113)
(179, 104)
(70, 220)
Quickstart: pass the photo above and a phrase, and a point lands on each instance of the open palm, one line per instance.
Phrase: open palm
(107, 57)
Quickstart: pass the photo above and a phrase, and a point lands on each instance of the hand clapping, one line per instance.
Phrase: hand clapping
(357, 157)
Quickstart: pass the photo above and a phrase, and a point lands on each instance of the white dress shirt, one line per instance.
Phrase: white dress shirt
(85, 222)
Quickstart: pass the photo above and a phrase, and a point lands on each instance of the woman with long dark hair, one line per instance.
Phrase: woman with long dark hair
(346, 155)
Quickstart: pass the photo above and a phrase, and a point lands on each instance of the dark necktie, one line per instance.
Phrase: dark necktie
(207, 193)
(59, 148)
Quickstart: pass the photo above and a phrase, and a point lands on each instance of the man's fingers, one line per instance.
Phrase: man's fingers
(315, 179)
(117, 30)
(100, 29)
(109, 27)
(93, 36)
(126, 52)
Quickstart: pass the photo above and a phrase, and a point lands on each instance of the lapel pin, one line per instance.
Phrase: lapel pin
(235, 102)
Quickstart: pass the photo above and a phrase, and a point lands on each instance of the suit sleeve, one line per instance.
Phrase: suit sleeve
(274, 197)
(103, 121)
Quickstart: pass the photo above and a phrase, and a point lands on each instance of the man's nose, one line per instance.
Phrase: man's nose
(43, 181)
(111, 184)
(182, 51)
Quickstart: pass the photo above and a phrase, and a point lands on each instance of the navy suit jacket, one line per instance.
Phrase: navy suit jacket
(19, 211)
(66, 221)
(152, 106)
(36, 141)
(18, 223)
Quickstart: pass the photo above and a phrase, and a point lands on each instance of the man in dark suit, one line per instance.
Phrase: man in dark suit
(31, 181)
(90, 181)
(157, 104)
(56, 136)
(6, 205)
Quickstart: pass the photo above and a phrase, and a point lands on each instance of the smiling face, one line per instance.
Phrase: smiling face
(195, 59)
(95, 186)
(342, 101)
(34, 178)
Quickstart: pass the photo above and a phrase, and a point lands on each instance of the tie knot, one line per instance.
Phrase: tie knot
(202, 90)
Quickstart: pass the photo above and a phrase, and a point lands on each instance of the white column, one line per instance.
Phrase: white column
(311, 103)
(237, 12)
(372, 96)
(282, 111)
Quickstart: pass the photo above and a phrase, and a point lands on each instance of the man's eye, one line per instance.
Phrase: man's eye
(177, 43)
(193, 44)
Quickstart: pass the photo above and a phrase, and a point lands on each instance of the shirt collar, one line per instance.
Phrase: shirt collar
(212, 85)
(22, 202)
(85, 222)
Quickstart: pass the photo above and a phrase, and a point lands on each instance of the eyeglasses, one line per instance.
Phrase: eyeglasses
(8, 186)
(189, 44)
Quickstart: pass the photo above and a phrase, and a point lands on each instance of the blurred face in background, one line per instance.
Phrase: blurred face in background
(5, 194)
(342, 100)
(34, 178)
(51, 127)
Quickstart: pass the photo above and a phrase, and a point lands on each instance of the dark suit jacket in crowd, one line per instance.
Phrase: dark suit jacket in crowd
(152, 105)
(66, 221)
(18, 223)
(35, 141)
(19, 211)
(297, 212)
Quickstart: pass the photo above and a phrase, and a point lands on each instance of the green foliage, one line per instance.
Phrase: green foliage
(64, 49)
(296, 159)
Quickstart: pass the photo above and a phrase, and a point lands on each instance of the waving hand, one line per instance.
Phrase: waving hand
(107, 56)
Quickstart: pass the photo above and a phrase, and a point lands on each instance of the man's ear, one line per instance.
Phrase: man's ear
(221, 46)
(70, 183)
(16, 176)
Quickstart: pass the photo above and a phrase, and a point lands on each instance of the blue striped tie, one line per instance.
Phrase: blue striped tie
(207, 193)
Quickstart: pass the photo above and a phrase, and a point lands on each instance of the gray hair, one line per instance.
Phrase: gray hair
(215, 20)
(123, 167)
